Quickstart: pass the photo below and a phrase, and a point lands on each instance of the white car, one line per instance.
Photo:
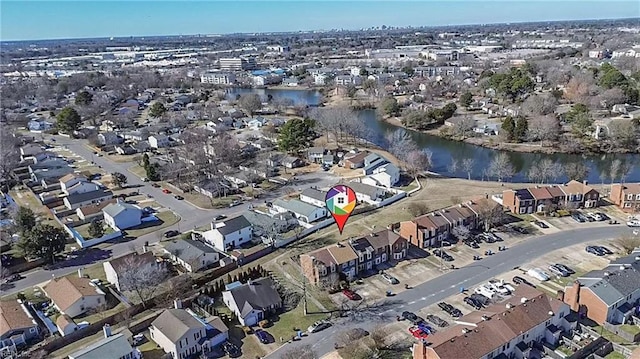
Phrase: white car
(634, 223)
(538, 274)
(485, 291)
(498, 287)
(597, 216)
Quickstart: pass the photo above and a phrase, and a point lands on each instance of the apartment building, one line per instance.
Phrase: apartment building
(218, 78)
(325, 266)
(626, 196)
(237, 63)
(573, 194)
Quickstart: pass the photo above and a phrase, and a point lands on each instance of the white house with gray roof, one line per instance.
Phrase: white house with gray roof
(110, 347)
(314, 197)
(253, 301)
(229, 234)
(191, 254)
(301, 210)
(122, 215)
(180, 333)
(386, 175)
(367, 193)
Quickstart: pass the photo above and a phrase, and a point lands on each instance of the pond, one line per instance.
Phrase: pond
(299, 97)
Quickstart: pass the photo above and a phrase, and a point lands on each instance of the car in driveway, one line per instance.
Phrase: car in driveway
(578, 218)
(471, 243)
(351, 294)
(595, 250)
(473, 303)
(596, 216)
(231, 350)
(558, 271)
(538, 274)
(442, 254)
(437, 320)
(262, 336)
(565, 268)
(541, 224)
(412, 317)
(318, 326)
(390, 279)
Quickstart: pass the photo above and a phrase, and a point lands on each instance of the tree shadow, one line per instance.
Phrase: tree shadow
(84, 257)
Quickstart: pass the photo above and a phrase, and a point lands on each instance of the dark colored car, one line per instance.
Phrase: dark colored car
(231, 349)
(576, 217)
(220, 217)
(14, 278)
(472, 244)
(540, 224)
(484, 301)
(519, 280)
(426, 328)
(155, 185)
(605, 250)
(171, 233)
(412, 317)
(178, 197)
(351, 294)
(595, 250)
(262, 336)
(437, 320)
(473, 303)
(565, 268)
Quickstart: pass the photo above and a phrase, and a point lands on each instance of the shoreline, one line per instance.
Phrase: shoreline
(508, 147)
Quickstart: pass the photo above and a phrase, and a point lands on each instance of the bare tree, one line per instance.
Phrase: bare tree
(581, 88)
(9, 151)
(544, 171)
(250, 103)
(501, 167)
(623, 134)
(339, 121)
(612, 97)
(543, 128)
(417, 209)
(614, 170)
(453, 166)
(464, 125)
(628, 243)
(577, 171)
(490, 213)
(300, 352)
(400, 143)
(467, 166)
(142, 278)
(417, 162)
(461, 232)
(539, 105)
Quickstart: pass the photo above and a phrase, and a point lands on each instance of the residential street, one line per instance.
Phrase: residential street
(190, 216)
(449, 284)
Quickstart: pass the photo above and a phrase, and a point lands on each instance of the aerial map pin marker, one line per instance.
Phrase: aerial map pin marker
(340, 201)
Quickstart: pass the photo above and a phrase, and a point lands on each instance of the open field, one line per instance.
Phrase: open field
(167, 219)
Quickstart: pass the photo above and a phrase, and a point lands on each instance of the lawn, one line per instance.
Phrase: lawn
(609, 335)
(151, 350)
(167, 218)
(83, 230)
(630, 328)
(138, 171)
(565, 350)
(95, 271)
(615, 355)
(286, 322)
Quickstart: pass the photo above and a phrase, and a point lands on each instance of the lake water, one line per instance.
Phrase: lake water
(444, 151)
(299, 97)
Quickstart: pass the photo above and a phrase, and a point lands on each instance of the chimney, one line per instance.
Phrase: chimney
(485, 318)
(523, 300)
(79, 272)
(177, 303)
(106, 330)
(509, 306)
(585, 182)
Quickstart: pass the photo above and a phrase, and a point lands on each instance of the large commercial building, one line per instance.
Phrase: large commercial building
(237, 63)
(218, 78)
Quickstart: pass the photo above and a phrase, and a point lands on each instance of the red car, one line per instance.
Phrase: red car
(351, 294)
(164, 190)
(418, 333)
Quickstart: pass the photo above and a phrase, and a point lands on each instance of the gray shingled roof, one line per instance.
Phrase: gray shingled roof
(363, 188)
(175, 323)
(617, 286)
(296, 206)
(257, 294)
(116, 208)
(82, 197)
(233, 225)
(315, 194)
(188, 249)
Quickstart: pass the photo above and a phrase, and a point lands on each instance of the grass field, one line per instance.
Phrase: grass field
(167, 217)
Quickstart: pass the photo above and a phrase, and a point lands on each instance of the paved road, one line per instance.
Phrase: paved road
(449, 284)
(190, 216)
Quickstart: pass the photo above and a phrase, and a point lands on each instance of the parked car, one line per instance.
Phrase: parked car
(166, 191)
(318, 326)
(473, 303)
(604, 250)
(389, 278)
(231, 349)
(178, 197)
(519, 280)
(498, 287)
(262, 336)
(538, 274)
(418, 333)
(155, 185)
(578, 218)
(437, 320)
(171, 233)
(558, 271)
(220, 217)
(596, 216)
(412, 317)
(541, 224)
(449, 309)
(480, 299)
(565, 268)
(351, 294)
(442, 254)
(633, 223)
(472, 244)
(595, 250)
(13, 278)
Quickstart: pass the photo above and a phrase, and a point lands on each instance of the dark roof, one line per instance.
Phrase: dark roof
(617, 285)
(257, 294)
(188, 249)
(135, 259)
(233, 224)
(82, 197)
(523, 194)
(315, 194)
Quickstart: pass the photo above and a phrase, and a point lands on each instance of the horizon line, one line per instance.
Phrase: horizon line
(313, 30)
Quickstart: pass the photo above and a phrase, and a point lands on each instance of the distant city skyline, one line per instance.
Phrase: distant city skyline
(39, 20)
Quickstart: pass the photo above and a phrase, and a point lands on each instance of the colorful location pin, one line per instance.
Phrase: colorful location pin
(341, 200)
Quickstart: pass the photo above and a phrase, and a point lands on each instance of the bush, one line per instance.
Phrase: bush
(563, 213)
(247, 330)
(264, 323)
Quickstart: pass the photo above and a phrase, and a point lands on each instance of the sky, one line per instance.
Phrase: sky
(50, 19)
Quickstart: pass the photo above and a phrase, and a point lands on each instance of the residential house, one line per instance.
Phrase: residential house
(518, 201)
(253, 301)
(39, 125)
(314, 196)
(229, 233)
(213, 187)
(371, 162)
(122, 215)
(29, 150)
(109, 138)
(191, 254)
(110, 347)
(71, 180)
(580, 195)
(328, 160)
(326, 265)
(378, 248)
(301, 210)
(66, 325)
(315, 154)
(542, 198)
(238, 179)
(159, 141)
(183, 335)
(610, 295)
(118, 268)
(291, 162)
(348, 80)
(270, 228)
(386, 175)
(366, 193)
(93, 210)
(626, 196)
(74, 201)
(17, 323)
(81, 187)
(501, 330)
(353, 161)
(74, 295)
